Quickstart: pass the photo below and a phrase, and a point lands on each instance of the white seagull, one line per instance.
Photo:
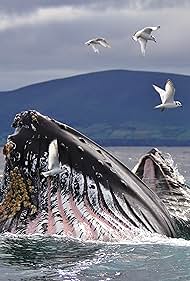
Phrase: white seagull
(53, 160)
(167, 96)
(97, 41)
(143, 35)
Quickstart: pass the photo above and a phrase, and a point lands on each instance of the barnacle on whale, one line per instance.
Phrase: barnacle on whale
(8, 148)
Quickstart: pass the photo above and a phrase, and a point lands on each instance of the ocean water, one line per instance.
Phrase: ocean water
(55, 258)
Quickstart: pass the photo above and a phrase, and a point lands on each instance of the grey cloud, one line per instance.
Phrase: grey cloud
(33, 53)
(23, 6)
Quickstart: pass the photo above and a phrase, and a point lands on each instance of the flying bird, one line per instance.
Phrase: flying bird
(143, 35)
(53, 160)
(97, 41)
(167, 96)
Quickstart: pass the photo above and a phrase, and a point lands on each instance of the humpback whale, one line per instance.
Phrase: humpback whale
(158, 171)
(93, 196)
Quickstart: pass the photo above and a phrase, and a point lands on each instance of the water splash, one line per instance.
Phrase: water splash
(174, 168)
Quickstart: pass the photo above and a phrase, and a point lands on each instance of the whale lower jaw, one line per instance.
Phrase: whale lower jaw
(93, 214)
(94, 197)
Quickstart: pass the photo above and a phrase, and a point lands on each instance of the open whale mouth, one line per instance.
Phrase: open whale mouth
(93, 197)
(158, 171)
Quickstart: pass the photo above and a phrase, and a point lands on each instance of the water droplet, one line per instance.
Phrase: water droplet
(82, 140)
(98, 175)
(33, 127)
(80, 148)
(109, 164)
(100, 161)
(123, 182)
(113, 171)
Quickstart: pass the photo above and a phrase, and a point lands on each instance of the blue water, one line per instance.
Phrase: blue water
(55, 258)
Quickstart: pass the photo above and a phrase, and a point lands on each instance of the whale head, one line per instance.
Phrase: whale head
(94, 197)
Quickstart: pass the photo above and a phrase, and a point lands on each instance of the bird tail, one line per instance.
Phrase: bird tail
(96, 50)
(159, 106)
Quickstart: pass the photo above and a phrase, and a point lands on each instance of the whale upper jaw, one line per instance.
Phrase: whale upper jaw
(96, 197)
(159, 172)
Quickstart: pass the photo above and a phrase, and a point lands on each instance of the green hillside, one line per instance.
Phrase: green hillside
(112, 107)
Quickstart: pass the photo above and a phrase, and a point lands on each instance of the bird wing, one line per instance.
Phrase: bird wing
(88, 42)
(135, 37)
(53, 158)
(137, 34)
(95, 49)
(91, 41)
(142, 42)
(170, 91)
(103, 43)
(161, 92)
(149, 29)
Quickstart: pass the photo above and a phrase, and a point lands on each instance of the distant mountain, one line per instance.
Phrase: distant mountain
(112, 107)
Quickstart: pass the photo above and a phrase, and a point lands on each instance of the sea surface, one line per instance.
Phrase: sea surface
(157, 258)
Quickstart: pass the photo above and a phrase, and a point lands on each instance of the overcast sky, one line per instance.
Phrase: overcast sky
(44, 39)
